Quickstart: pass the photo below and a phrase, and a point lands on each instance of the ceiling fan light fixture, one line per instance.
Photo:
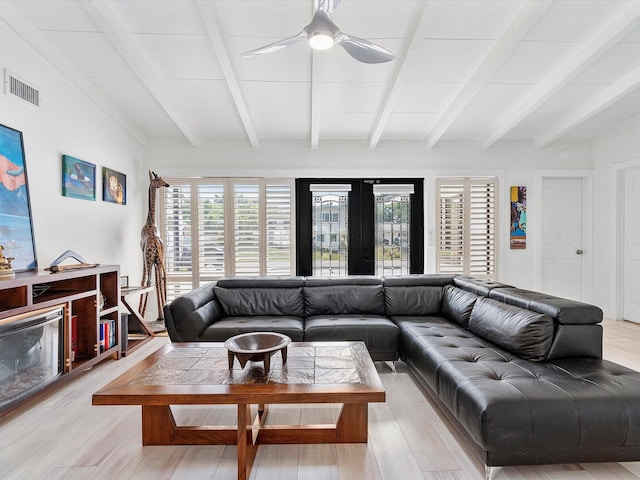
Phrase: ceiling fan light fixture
(321, 40)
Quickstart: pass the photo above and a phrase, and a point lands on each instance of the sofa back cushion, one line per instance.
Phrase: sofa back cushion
(415, 301)
(457, 304)
(414, 295)
(522, 332)
(563, 310)
(246, 302)
(343, 296)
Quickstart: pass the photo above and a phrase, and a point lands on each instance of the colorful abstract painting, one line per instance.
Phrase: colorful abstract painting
(518, 234)
(16, 228)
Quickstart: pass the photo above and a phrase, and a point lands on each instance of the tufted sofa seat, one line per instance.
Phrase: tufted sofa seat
(520, 373)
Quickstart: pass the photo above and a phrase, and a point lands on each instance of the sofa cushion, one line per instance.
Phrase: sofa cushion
(245, 302)
(457, 304)
(380, 335)
(563, 310)
(412, 300)
(223, 329)
(343, 297)
(515, 329)
(191, 313)
(479, 286)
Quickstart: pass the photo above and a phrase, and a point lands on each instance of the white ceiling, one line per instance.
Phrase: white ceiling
(476, 70)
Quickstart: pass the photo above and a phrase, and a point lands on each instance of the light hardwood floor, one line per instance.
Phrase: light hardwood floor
(62, 436)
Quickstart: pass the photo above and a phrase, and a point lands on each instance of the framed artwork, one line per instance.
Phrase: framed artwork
(16, 225)
(518, 234)
(78, 178)
(114, 186)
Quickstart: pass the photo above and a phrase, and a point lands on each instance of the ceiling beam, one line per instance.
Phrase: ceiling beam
(587, 110)
(612, 33)
(211, 18)
(103, 14)
(316, 93)
(46, 50)
(408, 48)
(526, 17)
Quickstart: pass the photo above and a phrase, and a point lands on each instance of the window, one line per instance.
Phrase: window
(467, 226)
(214, 227)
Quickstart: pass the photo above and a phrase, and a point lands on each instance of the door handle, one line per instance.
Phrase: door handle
(579, 252)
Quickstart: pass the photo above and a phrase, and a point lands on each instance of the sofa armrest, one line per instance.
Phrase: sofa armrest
(189, 315)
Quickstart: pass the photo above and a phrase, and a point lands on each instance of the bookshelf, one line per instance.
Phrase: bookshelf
(90, 299)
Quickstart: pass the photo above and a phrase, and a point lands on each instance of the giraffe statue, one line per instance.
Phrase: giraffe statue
(153, 251)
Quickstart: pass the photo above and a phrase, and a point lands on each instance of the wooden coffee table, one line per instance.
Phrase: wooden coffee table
(198, 373)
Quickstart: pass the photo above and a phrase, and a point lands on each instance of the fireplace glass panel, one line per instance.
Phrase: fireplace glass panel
(30, 354)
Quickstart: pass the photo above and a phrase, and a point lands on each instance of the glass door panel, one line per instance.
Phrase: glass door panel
(392, 233)
(330, 230)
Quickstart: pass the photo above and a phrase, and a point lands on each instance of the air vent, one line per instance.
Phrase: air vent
(21, 89)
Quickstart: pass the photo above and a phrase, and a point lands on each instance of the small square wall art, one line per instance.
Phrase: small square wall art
(518, 234)
(78, 178)
(114, 186)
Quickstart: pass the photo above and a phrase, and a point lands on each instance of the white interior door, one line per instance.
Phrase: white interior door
(562, 237)
(631, 240)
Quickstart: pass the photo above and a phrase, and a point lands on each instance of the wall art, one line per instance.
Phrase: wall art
(16, 225)
(114, 186)
(78, 178)
(518, 234)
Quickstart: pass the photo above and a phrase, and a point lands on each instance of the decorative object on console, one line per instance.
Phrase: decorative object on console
(78, 178)
(114, 186)
(518, 234)
(257, 347)
(5, 264)
(55, 266)
(16, 226)
(153, 251)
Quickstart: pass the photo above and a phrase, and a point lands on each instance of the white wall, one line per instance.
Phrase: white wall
(614, 151)
(513, 163)
(68, 123)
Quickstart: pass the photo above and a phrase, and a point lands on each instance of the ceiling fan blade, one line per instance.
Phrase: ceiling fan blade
(364, 50)
(280, 44)
(327, 5)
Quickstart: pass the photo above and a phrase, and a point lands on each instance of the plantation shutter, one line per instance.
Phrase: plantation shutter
(246, 229)
(482, 228)
(279, 212)
(451, 231)
(466, 227)
(175, 218)
(211, 221)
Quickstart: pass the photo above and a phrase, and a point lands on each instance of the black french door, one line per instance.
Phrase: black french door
(359, 226)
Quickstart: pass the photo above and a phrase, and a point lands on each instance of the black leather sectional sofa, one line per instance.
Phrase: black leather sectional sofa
(520, 372)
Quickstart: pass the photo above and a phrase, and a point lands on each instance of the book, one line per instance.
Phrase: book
(74, 337)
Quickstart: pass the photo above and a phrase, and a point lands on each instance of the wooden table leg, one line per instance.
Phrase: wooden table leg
(352, 424)
(246, 447)
(158, 425)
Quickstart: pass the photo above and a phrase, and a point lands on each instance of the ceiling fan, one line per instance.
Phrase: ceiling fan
(322, 33)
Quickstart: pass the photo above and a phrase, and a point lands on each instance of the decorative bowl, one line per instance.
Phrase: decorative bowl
(256, 346)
